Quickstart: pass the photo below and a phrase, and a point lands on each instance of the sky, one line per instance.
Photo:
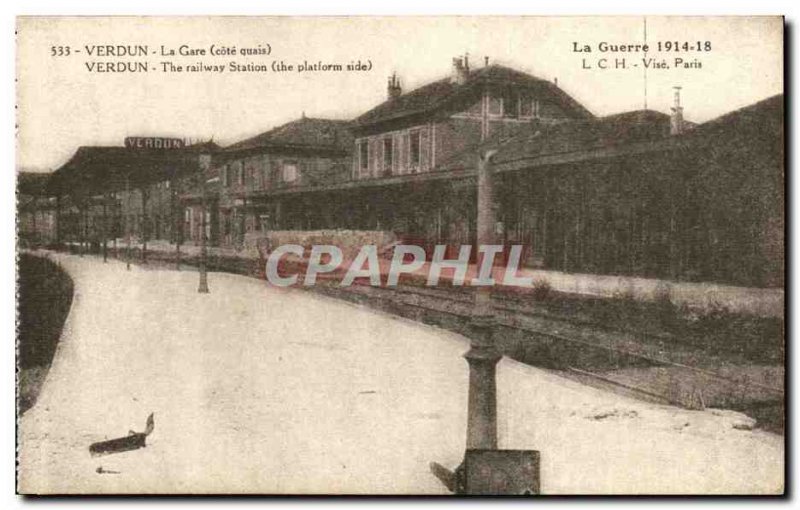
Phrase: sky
(62, 106)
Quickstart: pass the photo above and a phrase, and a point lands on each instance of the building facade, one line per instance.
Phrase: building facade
(638, 193)
(250, 175)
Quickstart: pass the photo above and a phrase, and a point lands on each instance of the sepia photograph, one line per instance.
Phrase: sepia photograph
(406, 255)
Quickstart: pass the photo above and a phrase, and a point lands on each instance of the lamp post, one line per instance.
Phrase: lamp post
(178, 234)
(105, 227)
(127, 223)
(82, 228)
(144, 230)
(58, 221)
(115, 226)
(203, 286)
(177, 226)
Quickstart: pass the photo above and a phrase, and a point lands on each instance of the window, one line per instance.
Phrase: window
(495, 106)
(240, 172)
(289, 172)
(528, 107)
(510, 104)
(388, 147)
(363, 155)
(226, 178)
(255, 175)
(263, 222)
(525, 107)
(476, 110)
(414, 149)
(263, 173)
(248, 173)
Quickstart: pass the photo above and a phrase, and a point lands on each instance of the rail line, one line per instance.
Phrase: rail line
(510, 321)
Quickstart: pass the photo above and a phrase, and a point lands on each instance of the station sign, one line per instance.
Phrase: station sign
(153, 142)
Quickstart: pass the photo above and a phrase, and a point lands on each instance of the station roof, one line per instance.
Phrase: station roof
(304, 133)
(439, 94)
(94, 170)
(633, 132)
(33, 183)
(764, 119)
(564, 138)
(625, 134)
(98, 169)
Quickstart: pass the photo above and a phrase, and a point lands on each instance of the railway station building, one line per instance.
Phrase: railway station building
(640, 193)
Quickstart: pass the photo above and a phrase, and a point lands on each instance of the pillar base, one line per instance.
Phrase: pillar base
(482, 358)
(493, 473)
(501, 473)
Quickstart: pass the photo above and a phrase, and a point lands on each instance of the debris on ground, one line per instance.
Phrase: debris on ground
(133, 441)
(614, 413)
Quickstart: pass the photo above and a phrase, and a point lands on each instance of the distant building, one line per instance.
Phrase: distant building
(417, 131)
(119, 191)
(300, 154)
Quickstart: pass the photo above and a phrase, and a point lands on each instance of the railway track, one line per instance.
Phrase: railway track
(528, 321)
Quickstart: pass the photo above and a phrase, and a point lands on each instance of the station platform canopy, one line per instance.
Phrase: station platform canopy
(94, 170)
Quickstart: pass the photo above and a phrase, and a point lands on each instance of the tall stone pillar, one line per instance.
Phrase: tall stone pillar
(483, 355)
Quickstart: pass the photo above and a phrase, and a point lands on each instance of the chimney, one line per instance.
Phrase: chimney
(676, 119)
(460, 70)
(393, 89)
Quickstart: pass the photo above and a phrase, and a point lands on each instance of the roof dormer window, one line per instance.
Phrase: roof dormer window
(289, 171)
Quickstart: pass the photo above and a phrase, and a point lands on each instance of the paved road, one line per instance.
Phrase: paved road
(265, 390)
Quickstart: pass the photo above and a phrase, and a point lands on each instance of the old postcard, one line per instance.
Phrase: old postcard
(400, 255)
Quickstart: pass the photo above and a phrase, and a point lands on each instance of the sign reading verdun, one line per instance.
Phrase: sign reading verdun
(150, 142)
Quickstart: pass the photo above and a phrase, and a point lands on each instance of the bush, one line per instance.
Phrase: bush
(45, 296)
(667, 314)
(541, 290)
